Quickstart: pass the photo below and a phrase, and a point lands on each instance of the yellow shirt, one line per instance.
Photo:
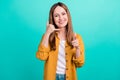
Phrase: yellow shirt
(51, 57)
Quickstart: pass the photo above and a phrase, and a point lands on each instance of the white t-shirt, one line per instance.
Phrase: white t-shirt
(61, 63)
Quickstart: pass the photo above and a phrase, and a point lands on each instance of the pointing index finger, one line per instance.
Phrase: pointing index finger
(74, 37)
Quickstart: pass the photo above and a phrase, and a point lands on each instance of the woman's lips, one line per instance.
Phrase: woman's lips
(61, 22)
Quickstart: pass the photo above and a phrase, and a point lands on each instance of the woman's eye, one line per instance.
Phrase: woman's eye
(56, 15)
(63, 13)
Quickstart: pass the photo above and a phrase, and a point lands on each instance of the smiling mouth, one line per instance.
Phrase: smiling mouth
(61, 22)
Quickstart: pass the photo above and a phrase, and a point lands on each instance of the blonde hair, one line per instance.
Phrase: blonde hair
(69, 30)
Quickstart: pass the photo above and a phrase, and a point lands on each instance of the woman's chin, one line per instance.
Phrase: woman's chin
(62, 25)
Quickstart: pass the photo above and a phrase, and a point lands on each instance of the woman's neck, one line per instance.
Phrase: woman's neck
(62, 34)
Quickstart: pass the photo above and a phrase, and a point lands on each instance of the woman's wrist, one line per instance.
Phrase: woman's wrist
(77, 52)
(47, 33)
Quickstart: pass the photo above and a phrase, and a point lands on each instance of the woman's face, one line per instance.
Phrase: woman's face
(60, 17)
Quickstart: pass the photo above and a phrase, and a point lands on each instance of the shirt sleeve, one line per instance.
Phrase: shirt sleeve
(43, 52)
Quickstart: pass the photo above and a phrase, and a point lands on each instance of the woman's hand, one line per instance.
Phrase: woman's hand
(75, 42)
(50, 28)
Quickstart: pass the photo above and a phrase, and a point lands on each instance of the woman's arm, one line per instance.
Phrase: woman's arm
(78, 58)
(44, 47)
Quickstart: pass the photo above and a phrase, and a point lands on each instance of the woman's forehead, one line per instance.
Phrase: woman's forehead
(59, 9)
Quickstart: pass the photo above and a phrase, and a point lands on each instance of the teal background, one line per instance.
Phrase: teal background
(22, 22)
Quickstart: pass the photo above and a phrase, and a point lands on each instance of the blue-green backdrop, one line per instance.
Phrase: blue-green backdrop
(22, 22)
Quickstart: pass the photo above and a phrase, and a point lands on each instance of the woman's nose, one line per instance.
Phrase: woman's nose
(60, 17)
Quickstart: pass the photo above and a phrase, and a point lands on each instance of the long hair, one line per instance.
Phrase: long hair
(69, 30)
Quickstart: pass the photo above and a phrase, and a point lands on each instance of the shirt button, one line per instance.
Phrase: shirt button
(65, 53)
(66, 76)
(66, 68)
(66, 60)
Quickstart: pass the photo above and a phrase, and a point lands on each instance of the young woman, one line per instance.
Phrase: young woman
(60, 47)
